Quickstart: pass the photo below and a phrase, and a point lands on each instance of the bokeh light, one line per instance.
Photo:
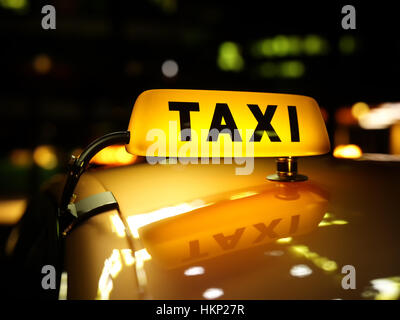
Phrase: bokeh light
(347, 44)
(229, 57)
(114, 155)
(344, 116)
(213, 293)
(382, 117)
(359, 109)
(349, 151)
(169, 68)
(300, 271)
(45, 157)
(42, 63)
(16, 5)
(314, 45)
(21, 157)
(292, 69)
(194, 271)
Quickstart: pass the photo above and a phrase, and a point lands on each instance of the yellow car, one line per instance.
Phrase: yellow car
(211, 214)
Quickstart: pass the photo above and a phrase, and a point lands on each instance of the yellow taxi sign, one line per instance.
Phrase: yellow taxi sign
(210, 123)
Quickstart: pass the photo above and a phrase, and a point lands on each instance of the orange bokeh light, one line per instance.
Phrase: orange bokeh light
(114, 155)
(345, 117)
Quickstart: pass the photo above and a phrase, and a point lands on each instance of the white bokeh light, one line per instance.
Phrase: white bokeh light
(300, 271)
(194, 271)
(213, 293)
(274, 253)
(169, 68)
(382, 117)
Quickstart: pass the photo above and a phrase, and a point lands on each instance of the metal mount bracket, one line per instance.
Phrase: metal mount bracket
(89, 207)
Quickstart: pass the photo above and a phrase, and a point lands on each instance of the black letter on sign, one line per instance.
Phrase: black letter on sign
(222, 112)
(294, 124)
(264, 123)
(184, 109)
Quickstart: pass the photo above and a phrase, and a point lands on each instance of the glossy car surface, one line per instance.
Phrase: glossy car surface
(199, 231)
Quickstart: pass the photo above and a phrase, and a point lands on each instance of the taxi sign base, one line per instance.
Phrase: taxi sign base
(286, 171)
(280, 178)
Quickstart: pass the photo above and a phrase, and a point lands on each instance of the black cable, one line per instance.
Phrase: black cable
(79, 165)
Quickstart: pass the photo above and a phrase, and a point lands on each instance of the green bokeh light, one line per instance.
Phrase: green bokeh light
(292, 69)
(229, 57)
(285, 69)
(347, 44)
(268, 69)
(267, 48)
(290, 45)
(281, 45)
(314, 45)
(295, 45)
(16, 5)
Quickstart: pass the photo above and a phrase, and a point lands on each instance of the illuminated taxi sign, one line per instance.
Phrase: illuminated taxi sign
(207, 123)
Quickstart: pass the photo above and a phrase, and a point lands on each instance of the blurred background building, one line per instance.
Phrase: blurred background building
(60, 89)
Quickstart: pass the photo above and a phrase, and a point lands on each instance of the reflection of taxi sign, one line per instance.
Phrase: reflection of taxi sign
(206, 123)
(273, 211)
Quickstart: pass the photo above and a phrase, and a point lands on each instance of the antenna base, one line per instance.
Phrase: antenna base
(286, 171)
